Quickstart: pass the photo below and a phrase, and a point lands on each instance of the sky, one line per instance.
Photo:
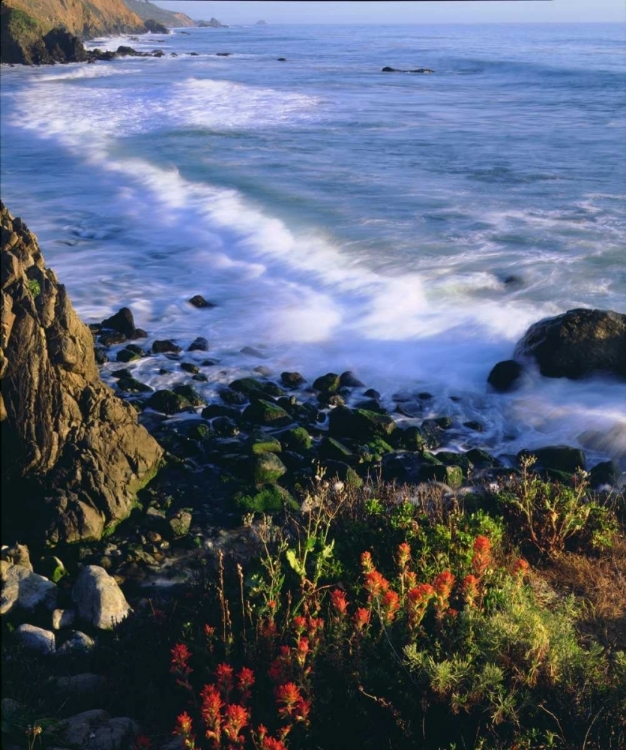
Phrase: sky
(440, 11)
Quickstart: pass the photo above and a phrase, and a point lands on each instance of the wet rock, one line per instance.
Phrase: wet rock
(190, 367)
(112, 338)
(100, 356)
(578, 343)
(155, 27)
(333, 449)
(234, 398)
(360, 424)
(259, 443)
(98, 598)
(123, 322)
(372, 393)
(450, 475)
(296, 439)
(128, 355)
(36, 639)
(349, 380)
(225, 426)
(168, 402)
(481, 458)
(475, 426)
(606, 472)
(557, 457)
(328, 383)
(219, 410)
(130, 385)
(267, 468)
(343, 472)
(292, 380)
(388, 69)
(165, 345)
(265, 413)
(198, 300)
(189, 393)
(254, 388)
(199, 344)
(252, 352)
(505, 375)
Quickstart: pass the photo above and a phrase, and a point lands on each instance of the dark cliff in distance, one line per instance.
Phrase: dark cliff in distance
(73, 455)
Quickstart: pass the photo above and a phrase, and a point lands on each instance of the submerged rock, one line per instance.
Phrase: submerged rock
(388, 69)
(578, 343)
(504, 375)
(73, 455)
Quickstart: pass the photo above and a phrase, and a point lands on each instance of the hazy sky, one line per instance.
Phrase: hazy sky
(444, 11)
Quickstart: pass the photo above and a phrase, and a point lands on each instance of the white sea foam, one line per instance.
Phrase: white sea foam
(298, 292)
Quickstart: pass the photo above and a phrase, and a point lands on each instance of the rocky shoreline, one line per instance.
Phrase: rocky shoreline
(82, 454)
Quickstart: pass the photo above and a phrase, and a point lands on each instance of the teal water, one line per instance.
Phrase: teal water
(407, 227)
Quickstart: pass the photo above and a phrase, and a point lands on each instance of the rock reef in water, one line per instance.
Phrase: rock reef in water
(388, 69)
(578, 343)
(73, 455)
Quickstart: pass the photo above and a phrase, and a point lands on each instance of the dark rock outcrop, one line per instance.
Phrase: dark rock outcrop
(388, 69)
(73, 455)
(577, 343)
(155, 26)
(503, 376)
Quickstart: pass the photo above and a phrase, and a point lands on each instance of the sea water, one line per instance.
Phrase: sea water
(408, 227)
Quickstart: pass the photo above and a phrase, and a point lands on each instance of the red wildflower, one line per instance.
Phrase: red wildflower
(303, 709)
(281, 666)
(389, 605)
(141, 742)
(469, 588)
(314, 625)
(417, 604)
(299, 624)
(236, 719)
(521, 567)
(410, 579)
(245, 679)
(339, 602)
(366, 562)
(269, 743)
(361, 618)
(268, 629)
(184, 727)
(443, 584)
(287, 697)
(180, 657)
(211, 706)
(482, 555)
(224, 678)
(376, 584)
(404, 554)
(453, 612)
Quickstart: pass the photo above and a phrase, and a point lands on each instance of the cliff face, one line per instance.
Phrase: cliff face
(147, 11)
(73, 455)
(24, 25)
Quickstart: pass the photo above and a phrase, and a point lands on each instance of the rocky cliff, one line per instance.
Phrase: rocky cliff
(73, 455)
(24, 25)
(147, 11)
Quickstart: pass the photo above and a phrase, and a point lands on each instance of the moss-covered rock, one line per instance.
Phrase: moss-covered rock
(263, 412)
(328, 383)
(361, 424)
(189, 392)
(168, 402)
(267, 468)
(297, 439)
(559, 457)
(271, 499)
(260, 443)
(450, 475)
(254, 388)
(333, 449)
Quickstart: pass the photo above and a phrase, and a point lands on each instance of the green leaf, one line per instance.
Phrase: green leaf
(295, 564)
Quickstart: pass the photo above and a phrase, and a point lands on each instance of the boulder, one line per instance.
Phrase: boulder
(73, 455)
(360, 424)
(503, 376)
(96, 730)
(388, 69)
(24, 589)
(155, 27)
(578, 343)
(77, 643)
(267, 468)
(36, 639)
(63, 618)
(98, 598)
(557, 457)
(123, 322)
(168, 402)
(328, 383)
(198, 301)
(291, 379)
(263, 412)
(199, 344)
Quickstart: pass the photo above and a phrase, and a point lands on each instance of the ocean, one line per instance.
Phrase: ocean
(407, 227)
